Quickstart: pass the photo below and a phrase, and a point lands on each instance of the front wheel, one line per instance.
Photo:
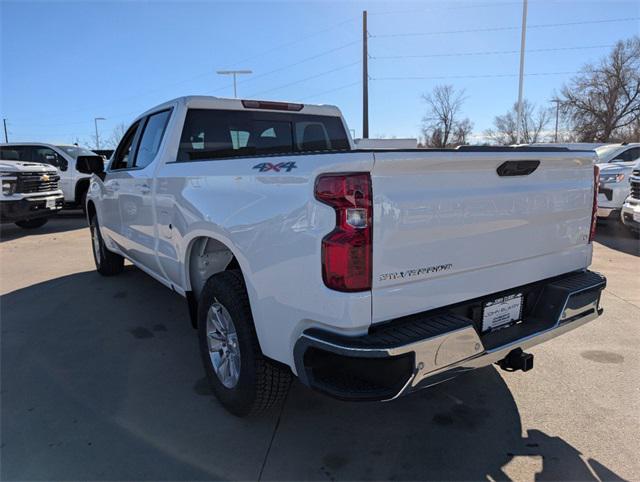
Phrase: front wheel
(107, 263)
(243, 380)
(32, 223)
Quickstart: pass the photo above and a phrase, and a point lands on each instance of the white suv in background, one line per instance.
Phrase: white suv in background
(71, 162)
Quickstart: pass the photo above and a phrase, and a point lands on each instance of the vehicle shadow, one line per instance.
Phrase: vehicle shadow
(101, 380)
(612, 234)
(62, 222)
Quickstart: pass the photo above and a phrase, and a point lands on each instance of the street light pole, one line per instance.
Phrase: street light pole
(523, 39)
(557, 101)
(6, 137)
(95, 122)
(234, 73)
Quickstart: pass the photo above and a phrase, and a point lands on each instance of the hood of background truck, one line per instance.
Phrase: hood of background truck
(19, 166)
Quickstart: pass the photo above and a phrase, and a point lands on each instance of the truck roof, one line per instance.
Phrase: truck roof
(222, 103)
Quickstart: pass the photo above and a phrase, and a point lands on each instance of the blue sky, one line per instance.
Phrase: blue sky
(64, 63)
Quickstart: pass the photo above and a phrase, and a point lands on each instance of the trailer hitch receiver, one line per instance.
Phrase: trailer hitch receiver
(517, 360)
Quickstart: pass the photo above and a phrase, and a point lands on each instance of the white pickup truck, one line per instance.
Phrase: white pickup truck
(368, 274)
(30, 193)
(72, 162)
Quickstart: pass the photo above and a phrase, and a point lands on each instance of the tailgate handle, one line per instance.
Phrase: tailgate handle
(517, 168)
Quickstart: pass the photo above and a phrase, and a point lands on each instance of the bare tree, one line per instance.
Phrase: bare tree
(462, 131)
(116, 136)
(534, 122)
(441, 126)
(603, 101)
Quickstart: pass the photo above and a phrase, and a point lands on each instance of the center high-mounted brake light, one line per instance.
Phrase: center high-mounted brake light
(269, 105)
(346, 251)
(594, 212)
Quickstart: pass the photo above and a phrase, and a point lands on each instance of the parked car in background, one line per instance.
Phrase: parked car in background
(616, 162)
(631, 206)
(368, 274)
(626, 153)
(30, 193)
(614, 188)
(73, 164)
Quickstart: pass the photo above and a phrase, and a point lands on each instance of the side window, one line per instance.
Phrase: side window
(151, 138)
(16, 153)
(47, 155)
(628, 156)
(122, 154)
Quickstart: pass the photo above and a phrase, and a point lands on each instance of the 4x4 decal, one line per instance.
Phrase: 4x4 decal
(267, 166)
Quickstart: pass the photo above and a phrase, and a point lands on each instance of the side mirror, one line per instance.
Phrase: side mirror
(62, 163)
(90, 165)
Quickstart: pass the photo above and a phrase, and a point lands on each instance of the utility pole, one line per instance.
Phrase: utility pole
(523, 39)
(557, 101)
(6, 137)
(95, 122)
(365, 78)
(234, 73)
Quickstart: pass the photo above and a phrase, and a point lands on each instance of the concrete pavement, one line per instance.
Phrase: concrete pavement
(101, 380)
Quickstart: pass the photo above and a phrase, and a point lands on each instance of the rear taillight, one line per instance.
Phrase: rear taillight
(346, 251)
(594, 212)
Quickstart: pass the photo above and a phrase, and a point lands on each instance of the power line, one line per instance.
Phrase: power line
(210, 72)
(294, 64)
(440, 8)
(342, 87)
(474, 76)
(499, 29)
(486, 52)
(299, 81)
(298, 40)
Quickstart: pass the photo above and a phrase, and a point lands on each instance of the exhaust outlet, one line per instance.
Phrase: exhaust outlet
(517, 360)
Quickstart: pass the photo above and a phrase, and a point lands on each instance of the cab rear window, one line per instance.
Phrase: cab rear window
(216, 134)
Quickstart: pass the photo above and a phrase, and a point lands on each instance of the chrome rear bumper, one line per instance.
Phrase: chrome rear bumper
(422, 350)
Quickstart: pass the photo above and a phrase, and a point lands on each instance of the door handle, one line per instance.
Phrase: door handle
(143, 188)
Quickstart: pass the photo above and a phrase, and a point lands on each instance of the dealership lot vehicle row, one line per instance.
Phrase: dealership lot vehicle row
(83, 360)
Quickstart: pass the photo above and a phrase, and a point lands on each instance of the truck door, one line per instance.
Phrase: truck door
(135, 199)
(110, 218)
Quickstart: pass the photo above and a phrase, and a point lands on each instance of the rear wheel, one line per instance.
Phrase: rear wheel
(107, 263)
(32, 223)
(243, 380)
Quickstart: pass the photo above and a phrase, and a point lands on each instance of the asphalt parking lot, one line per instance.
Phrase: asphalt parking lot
(101, 380)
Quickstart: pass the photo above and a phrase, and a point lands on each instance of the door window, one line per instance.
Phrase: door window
(629, 155)
(151, 138)
(47, 155)
(122, 156)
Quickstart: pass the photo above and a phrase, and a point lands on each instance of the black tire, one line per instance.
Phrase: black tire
(107, 263)
(262, 383)
(83, 202)
(32, 223)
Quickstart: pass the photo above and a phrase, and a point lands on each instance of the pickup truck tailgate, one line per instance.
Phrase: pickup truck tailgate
(448, 228)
